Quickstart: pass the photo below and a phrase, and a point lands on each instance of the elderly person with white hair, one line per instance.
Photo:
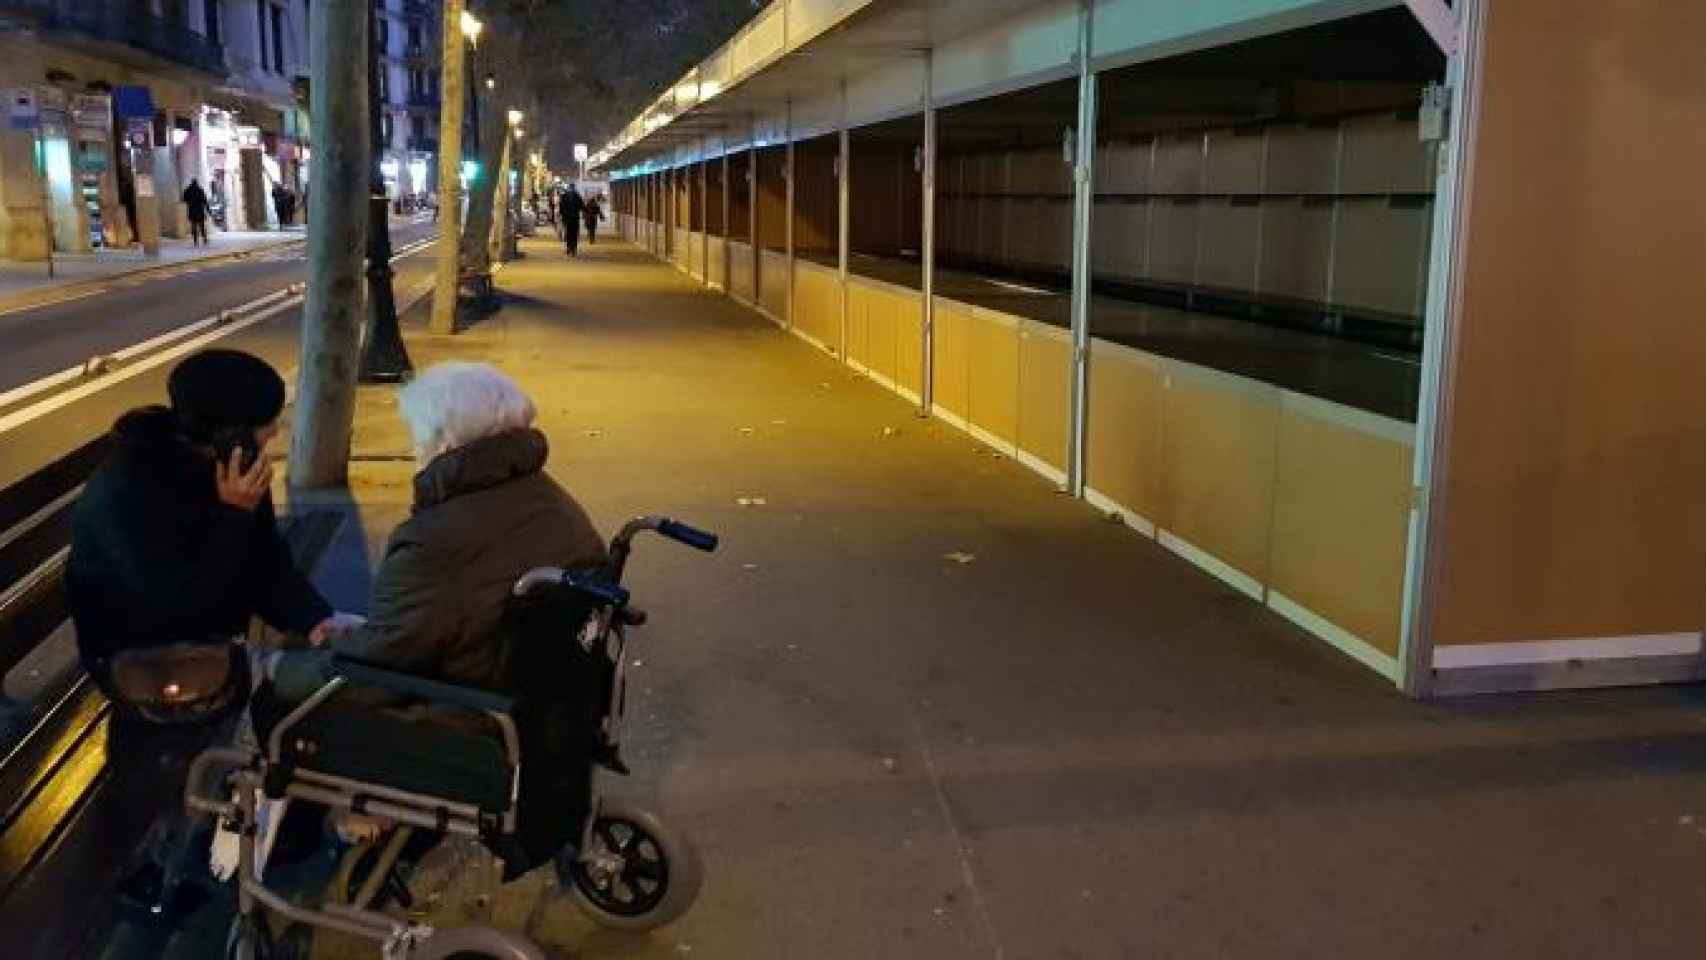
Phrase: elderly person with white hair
(484, 514)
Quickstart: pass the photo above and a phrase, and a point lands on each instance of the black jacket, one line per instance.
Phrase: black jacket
(195, 202)
(156, 558)
(570, 206)
(485, 514)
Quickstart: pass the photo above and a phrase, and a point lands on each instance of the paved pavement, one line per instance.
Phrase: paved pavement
(922, 706)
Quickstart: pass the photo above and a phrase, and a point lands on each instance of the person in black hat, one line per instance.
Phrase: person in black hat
(174, 545)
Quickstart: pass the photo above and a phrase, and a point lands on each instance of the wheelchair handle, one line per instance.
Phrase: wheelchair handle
(691, 536)
(604, 592)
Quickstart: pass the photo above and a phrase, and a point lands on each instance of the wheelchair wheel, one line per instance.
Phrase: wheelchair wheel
(638, 874)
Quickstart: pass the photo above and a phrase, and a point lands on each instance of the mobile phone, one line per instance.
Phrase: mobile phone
(225, 441)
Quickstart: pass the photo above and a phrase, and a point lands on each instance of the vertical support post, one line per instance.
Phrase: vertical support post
(1436, 409)
(445, 278)
(926, 376)
(844, 233)
(1083, 205)
(332, 315)
(752, 205)
(727, 204)
(704, 222)
(788, 235)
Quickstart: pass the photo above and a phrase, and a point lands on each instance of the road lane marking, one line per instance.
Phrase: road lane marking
(60, 401)
(20, 393)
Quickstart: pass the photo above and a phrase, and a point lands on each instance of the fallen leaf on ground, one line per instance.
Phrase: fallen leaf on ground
(959, 557)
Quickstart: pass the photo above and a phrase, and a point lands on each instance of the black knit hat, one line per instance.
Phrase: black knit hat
(220, 389)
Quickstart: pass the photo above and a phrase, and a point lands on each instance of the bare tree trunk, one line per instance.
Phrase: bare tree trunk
(476, 234)
(337, 233)
(499, 245)
(451, 93)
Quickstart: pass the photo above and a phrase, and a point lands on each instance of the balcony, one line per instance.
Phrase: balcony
(423, 101)
(115, 25)
(414, 8)
(423, 144)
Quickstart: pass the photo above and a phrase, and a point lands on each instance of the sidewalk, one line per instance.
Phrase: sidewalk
(921, 706)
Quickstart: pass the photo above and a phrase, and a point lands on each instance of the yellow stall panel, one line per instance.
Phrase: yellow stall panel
(950, 363)
(1045, 402)
(715, 273)
(1123, 432)
(909, 341)
(696, 254)
(992, 375)
(817, 304)
(881, 318)
(1341, 518)
(773, 283)
(1218, 434)
(740, 270)
(858, 325)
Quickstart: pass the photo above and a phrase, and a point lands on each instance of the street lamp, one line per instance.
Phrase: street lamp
(515, 117)
(383, 359)
(471, 27)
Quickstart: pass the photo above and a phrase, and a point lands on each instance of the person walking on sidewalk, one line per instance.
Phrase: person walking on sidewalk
(570, 209)
(594, 212)
(195, 205)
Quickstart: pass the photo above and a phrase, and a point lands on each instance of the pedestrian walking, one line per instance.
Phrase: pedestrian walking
(593, 212)
(281, 205)
(571, 208)
(195, 206)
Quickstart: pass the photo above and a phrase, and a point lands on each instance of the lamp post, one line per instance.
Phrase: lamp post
(384, 359)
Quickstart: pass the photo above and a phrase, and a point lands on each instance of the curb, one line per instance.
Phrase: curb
(55, 293)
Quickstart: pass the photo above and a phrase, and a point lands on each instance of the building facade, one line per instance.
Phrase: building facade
(101, 95)
(115, 105)
(408, 41)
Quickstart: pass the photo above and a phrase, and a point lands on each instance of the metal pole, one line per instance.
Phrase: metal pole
(843, 177)
(788, 241)
(926, 377)
(384, 359)
(445, 279)
(704, 223)
(752, 206)
(1083, 205)
(726, 208)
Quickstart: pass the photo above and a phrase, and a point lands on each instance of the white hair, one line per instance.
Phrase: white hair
(454, 404)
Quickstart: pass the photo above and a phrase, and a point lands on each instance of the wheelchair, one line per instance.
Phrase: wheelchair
(518, 773)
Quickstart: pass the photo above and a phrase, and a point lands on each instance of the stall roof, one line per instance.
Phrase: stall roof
(799, 66)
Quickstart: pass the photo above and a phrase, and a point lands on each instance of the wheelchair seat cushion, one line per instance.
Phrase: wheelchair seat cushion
(455, 760)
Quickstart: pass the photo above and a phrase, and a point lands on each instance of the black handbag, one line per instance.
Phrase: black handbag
(180, 683)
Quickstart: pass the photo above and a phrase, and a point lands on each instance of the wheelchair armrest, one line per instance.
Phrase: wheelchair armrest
(421, 688)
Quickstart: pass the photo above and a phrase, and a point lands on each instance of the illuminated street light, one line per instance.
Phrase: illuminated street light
(471, 27)
(491, 81)
(515, 117)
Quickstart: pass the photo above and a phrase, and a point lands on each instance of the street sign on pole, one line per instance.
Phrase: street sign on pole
(580, 153)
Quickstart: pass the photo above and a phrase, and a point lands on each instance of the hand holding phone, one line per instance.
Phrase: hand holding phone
(243, 486)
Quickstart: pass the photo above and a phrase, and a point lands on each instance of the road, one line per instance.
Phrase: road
(45, 340)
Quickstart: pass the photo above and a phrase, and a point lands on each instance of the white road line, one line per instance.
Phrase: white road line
(17, 394)
(60, 401)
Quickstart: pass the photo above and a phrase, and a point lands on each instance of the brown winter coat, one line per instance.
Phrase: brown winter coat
(484, 514)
